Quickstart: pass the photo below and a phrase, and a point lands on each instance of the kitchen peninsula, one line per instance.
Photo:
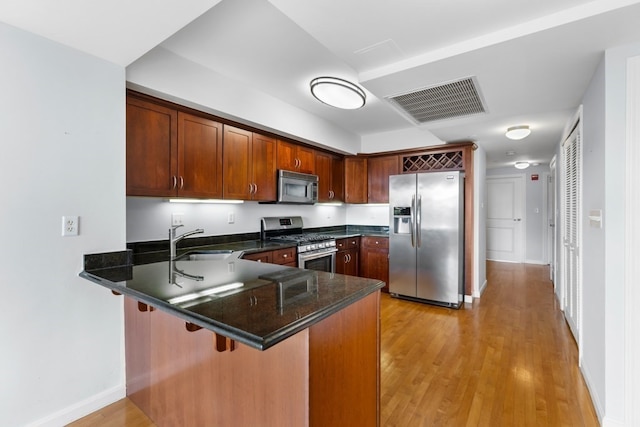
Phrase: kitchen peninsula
(226, 341)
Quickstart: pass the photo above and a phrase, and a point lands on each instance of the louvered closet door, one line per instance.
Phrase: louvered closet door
(571, 234)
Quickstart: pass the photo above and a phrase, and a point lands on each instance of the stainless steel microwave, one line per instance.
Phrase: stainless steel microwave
(294, 187)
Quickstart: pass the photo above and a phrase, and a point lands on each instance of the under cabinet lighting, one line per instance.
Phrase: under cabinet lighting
(328, 204)
(209, 201)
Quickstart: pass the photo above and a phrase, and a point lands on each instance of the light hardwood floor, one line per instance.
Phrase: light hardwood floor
(507, 360)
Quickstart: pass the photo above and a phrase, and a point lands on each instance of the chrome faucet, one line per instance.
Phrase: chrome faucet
(173, 240)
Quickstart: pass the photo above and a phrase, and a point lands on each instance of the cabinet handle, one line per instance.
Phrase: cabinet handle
(331, 194)
(250, 188)
(255, 188)
(285, 256)
(174, 179)
(346, 258)
(297, 162)
(181, 183)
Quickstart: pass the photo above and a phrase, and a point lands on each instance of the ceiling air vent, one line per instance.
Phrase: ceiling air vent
(451, 100)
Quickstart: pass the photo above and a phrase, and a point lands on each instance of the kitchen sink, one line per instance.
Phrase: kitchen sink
(212, 255)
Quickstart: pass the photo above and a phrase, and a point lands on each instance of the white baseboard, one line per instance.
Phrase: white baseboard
(594, 395)
(81, 409)
(468, 299)
(607, 422)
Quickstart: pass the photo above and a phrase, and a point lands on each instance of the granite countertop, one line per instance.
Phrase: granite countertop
(262, 305)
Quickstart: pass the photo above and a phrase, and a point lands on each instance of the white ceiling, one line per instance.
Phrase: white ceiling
(532, 60)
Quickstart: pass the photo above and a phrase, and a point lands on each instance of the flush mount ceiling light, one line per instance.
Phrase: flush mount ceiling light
(518, 132)
(521, 165)
(338, 93)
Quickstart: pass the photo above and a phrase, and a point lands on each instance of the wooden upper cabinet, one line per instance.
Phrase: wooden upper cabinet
(152, 149)
(249, 165)
(199, 157)
(263, 166)
(330, 171)
(171, 153)
(355, 180)
(378, 171)
(294, 157)
(237, 162)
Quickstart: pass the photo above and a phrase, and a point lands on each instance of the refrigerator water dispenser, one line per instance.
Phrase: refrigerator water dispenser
(401, 220)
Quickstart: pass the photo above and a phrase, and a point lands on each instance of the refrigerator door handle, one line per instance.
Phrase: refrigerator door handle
(419, 221)
(413, 222)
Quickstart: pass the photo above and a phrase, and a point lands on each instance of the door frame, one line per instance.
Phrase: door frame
(552, 218)
(632, 244)
(523, 209)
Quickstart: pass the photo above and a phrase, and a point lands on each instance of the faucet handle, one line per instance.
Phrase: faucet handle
(176, 226)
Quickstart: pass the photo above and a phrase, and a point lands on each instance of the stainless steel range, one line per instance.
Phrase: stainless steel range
(315, 251)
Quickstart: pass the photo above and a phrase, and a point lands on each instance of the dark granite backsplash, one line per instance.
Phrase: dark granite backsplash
(158, 250)
(108, 260)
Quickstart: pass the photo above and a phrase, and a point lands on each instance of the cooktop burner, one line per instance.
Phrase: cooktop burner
(289, 229)
(302, 238)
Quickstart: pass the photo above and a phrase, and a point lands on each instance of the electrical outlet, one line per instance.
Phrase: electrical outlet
(231, 218)
(177, 218)
(70, 225)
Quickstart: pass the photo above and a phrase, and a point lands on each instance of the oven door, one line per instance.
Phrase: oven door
(324, 260)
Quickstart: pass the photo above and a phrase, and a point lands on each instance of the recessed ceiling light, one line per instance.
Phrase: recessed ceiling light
(338, 93)
(518, 132)
(521, 165)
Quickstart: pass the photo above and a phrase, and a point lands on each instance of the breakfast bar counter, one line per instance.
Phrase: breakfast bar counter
(226, 341)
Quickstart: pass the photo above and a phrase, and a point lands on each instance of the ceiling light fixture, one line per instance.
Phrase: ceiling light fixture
(338, 93)
(518, 132)
(521, 165)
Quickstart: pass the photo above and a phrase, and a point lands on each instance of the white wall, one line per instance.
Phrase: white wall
(480, 222)
(593, 239)
(169, 76)
(614, 228)
(63, 142)
(402, 139)
(535, 209)
(149, 218)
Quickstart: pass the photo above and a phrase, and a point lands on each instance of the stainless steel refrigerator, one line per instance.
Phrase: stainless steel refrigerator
(426, 237)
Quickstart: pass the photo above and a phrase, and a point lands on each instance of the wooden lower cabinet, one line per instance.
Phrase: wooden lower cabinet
(286, 256)
(374, 259)
(326, 375)
(348, 256)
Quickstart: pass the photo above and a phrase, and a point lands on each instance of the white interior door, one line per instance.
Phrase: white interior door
(551, 223)
(505, 222)
(571, 231)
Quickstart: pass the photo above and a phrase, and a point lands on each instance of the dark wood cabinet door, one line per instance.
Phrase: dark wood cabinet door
(294, 157)
(286, 156)
(374, 259)
(237, 163)
(323, 170)
(151, 149)
(199, 157)
(266, 256)
(330, 171)
(355, 180)
(286, 256)
(306, 159)
(264, 168)
(337, 179)
(378, 171)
